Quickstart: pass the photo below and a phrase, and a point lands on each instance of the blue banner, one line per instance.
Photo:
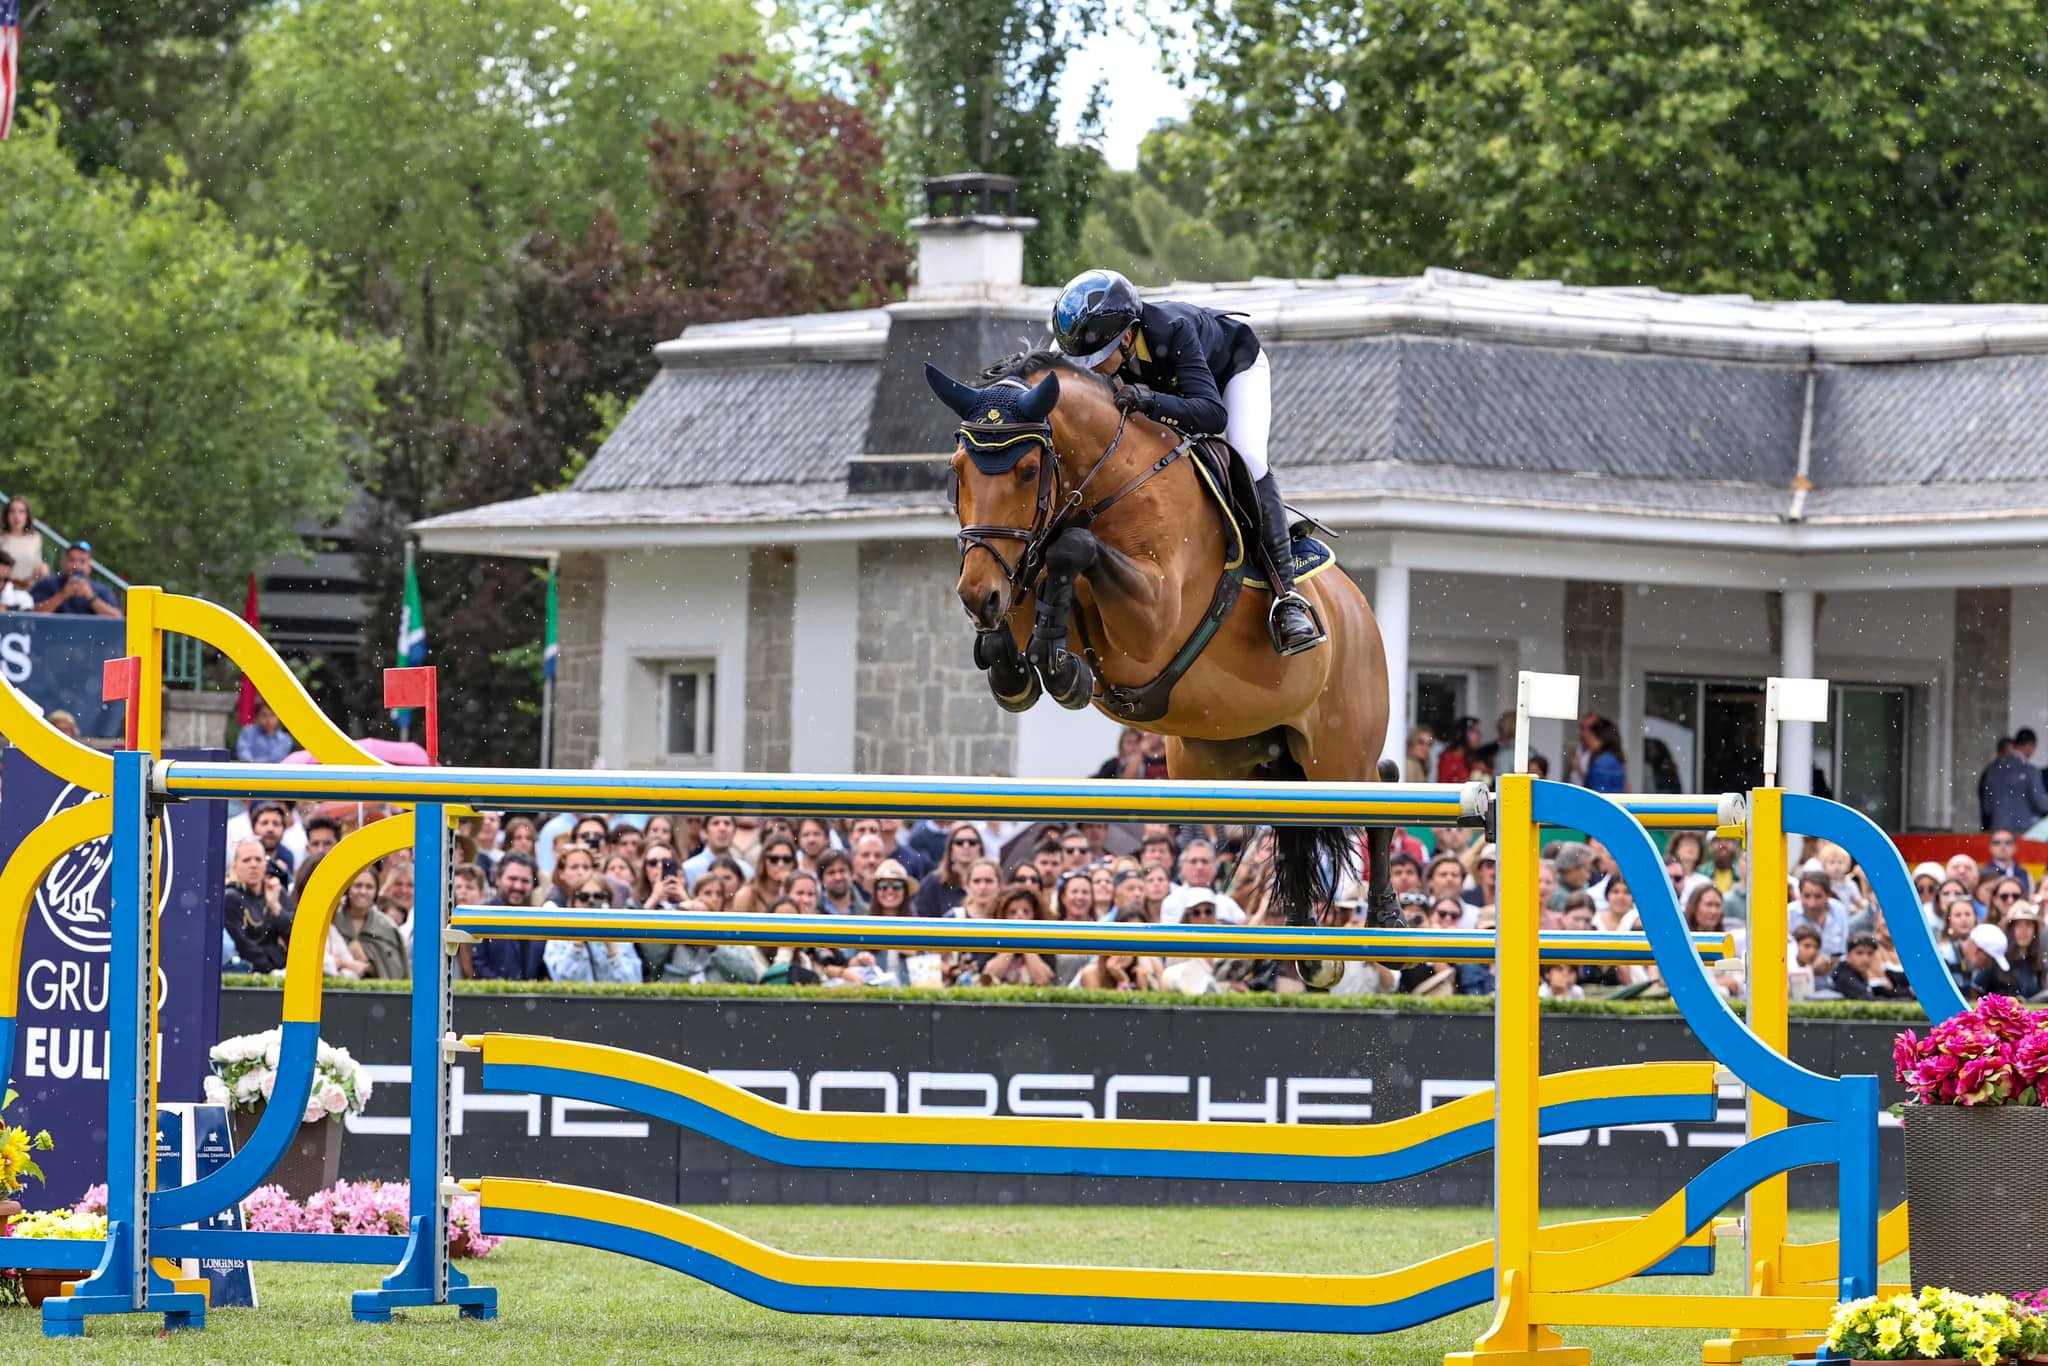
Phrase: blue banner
(60, 1063)
(56, 659)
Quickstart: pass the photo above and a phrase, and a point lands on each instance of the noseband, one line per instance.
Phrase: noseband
(1057, 509)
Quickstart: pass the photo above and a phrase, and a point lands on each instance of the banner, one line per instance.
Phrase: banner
(60, 1061)
(56, 660)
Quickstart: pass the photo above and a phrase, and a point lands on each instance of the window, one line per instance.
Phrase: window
(1438, 697)
(1706, 735)
(689, 722)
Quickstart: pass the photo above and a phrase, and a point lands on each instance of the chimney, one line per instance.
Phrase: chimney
(970, 244)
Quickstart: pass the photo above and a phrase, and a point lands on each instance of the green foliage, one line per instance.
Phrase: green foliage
(173, 389)
(974, 86)
(1133, 227)
(1820, 148)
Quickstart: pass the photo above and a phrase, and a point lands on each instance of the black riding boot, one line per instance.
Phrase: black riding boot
(1293, 622)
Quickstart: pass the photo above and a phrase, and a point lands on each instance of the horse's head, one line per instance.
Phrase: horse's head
(1004, 480)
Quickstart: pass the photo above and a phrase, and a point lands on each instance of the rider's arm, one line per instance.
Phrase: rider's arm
(1197, 404)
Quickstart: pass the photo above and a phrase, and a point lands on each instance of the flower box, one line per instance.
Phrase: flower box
(1977, 1196)
(311, 1164)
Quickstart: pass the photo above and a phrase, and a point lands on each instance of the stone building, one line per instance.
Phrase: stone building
(1672, 496)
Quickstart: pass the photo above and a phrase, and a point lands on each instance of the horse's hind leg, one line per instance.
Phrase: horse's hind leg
(1381, 909)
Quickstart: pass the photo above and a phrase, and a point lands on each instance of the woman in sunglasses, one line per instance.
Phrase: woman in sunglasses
(771, 874)
(1016, 902)
(579, 960)
(947, 888)
(893, 890)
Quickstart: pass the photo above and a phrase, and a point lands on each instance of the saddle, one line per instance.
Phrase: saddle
(1221, 471)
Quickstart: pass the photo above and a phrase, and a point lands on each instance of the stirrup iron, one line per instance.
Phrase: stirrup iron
(1315, 618)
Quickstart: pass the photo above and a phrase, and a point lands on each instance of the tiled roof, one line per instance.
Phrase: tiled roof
(1447, 386)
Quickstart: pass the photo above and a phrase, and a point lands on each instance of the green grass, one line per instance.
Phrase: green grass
(560, 1305)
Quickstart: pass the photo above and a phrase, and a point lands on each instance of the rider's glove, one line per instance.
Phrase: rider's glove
(1134, 396)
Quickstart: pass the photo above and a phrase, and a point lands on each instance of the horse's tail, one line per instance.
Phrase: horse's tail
(1309, 861)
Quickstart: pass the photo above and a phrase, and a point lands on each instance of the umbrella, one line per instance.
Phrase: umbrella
(401, 753)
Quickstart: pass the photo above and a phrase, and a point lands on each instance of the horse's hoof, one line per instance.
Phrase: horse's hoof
(1068, 680)
(1016, 688)
(1320, 976)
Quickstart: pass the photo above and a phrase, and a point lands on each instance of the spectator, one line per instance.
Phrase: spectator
(1415, 761)
(2010, 795)
(467, 883)
(1046, 859)
(1858, 977)
(1074, 898)
(1926, 878)
(727, 874)
(718, 835)
(802, 888)
(896, 847)
(1454, 765)
(1127, 762)
(1158, 888)
(1964, 869)
(575, 865)
(813, 838)
(1600, 745)
(2005, 860)
(1074, 851)
(395, 897)
(1404, 873)
(581, 960)
(13, 597)
(370, 934)
(520, 836)
(1560, 983)
(512, 960)
(1574, 873)
(1127, 898)
(2023, 949)
(979, 883)
(947, 888)
(1018, 969)
(253, 911)
(660, 887)
(837, 892)
(1806, 979)
(1721, 864)
(1158, 851)
(266, 823)
(595, 834)
(1027, 875)
(1619, 913)
(1498, 753)
(22, 544)
(1984, 958)
(868, 857)
(1845, 881)
(322, 834)
(1959, 917)
(778, 862)
(1818, 907)
(263, 740)
(1122, 972)
(892, 890)
(1999, 896)
(75, 592)
(1444, 877)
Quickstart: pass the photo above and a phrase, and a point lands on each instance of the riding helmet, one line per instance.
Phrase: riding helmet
(1094, 311)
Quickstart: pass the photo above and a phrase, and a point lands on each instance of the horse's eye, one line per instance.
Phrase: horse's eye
(1028, 470)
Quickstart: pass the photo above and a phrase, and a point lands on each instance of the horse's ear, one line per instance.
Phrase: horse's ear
(963, 399)
(1038, 400)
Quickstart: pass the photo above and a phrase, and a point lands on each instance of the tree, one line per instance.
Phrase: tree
(784, 211)
(172, 389)
(1159, 223)
(974, 86)
(1819, 148)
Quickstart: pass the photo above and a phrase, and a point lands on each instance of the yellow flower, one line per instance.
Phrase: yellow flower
(1887, 1337)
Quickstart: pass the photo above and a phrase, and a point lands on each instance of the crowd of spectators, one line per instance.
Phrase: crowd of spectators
(1985, 923)
(28, 583)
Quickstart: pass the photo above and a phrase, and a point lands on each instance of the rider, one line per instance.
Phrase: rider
(1202, 372)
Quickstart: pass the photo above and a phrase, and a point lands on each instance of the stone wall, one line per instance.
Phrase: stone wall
(771, 636)
(579, 671)
(922, 706)
(1978, 715)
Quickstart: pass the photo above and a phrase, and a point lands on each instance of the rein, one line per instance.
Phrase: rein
(1056, 511)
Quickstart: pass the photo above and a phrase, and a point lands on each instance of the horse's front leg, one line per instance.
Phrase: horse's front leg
(1010, 675)
(1068, 679)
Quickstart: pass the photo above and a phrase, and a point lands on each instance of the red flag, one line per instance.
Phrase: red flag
(245, 707)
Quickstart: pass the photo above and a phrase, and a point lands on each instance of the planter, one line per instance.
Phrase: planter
(38, 1285)
(313, 1162)
(1977, 1200)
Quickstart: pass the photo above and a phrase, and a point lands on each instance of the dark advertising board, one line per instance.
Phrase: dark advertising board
(1187, 1063)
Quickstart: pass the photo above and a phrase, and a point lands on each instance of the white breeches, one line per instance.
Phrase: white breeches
(1248, 399)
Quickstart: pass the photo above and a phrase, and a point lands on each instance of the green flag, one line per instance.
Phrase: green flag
(412, 629)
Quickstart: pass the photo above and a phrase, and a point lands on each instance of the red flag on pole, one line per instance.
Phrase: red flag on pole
(245, 706)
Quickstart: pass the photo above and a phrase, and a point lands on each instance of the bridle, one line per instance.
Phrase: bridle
(1057, 509)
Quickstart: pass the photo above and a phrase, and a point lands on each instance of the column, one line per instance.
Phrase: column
(1390, 604)
(824, 657)
(1795, 738)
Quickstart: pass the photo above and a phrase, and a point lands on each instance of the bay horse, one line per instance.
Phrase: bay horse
(1093, 565)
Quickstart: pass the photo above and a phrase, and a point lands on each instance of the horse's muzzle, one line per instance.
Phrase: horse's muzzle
(985, 610)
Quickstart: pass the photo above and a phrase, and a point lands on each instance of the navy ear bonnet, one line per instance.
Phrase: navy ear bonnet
(1001, 423)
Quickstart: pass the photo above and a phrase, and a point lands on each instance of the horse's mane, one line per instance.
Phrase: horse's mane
(1026, 363)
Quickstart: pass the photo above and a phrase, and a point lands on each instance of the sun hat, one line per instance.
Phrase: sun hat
(1991, 941)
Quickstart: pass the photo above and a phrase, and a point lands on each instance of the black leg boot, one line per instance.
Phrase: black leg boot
(1293, 622)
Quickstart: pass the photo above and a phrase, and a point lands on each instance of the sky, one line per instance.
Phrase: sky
(1138, 95)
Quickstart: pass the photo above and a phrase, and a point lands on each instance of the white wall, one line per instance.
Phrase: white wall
(1053, 742)
(2029, 694)
(824, 657)
(1501, 625)
(670, 604)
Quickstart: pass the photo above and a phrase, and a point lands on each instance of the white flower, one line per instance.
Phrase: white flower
(247, 1087)
(313, 1112)
(333, 1099)
(216, 1091)
(362, 1086)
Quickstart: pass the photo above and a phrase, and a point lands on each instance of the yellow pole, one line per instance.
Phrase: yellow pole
(1764, 1230)
(1517, 1205)
(145, 642)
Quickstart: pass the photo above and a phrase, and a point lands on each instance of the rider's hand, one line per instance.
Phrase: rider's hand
(1136, 396)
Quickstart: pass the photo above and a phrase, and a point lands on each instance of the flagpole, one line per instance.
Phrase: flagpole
(549, 656)
(405, 716)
